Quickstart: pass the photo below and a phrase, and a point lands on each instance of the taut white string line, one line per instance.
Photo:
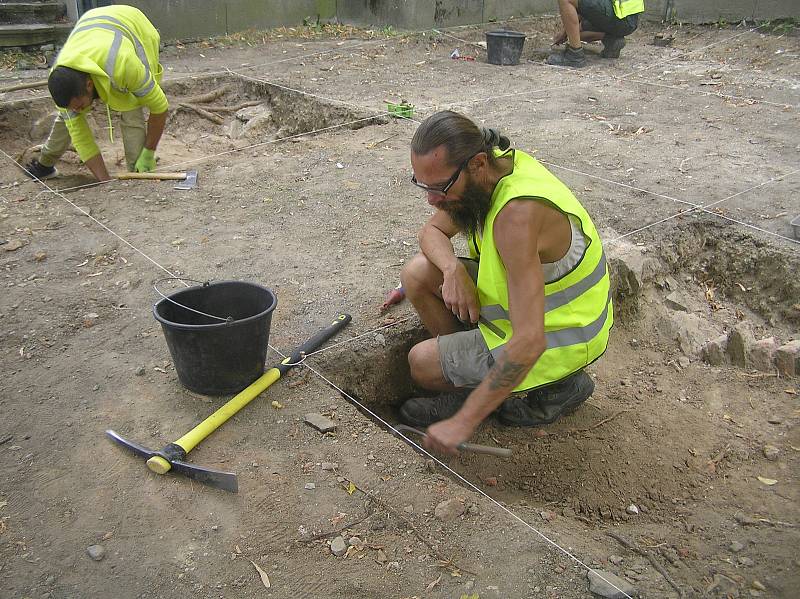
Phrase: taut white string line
(705, 209)
(85, 213)
(470, 484)
(692, 206)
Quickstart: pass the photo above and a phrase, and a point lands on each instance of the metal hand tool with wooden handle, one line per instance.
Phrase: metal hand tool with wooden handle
(502, 452)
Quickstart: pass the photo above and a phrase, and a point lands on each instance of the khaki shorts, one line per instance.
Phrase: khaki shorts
(464, 356)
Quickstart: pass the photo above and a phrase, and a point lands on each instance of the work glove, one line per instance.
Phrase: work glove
(146, 161)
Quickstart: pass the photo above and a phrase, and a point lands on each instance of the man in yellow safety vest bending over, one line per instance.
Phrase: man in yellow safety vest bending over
(537, 287)
(111, 54)
(591, 20)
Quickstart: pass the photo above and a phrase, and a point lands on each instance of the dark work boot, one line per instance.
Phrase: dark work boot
(570, 57)
(36, 170)
(421, 412)
(612, 46)
(547, 404)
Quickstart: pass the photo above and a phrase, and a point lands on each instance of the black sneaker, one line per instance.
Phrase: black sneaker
(547, 404)
(612, 46)
(421, 412)
(36, 170)
(570, 57)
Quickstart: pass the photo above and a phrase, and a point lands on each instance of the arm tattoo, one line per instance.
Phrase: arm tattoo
(506, 374)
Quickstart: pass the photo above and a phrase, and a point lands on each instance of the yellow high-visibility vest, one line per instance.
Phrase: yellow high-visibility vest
(624, 8)
(118, 47)
(578, 310)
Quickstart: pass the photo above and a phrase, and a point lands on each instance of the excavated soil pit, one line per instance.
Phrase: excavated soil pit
(219, 114)
(664, 429)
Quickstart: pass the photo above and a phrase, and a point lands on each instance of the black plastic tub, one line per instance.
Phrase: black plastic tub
(224, 352)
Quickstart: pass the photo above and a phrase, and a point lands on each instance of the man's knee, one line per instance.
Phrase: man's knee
(423, 360)
(419, 274)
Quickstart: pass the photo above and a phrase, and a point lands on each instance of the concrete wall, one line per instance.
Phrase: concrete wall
(732, 11)
(183, 19)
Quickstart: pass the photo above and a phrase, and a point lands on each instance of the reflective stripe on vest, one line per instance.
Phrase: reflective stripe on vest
(624, 8)
(566, 337)
(148, 83)
(557, 299)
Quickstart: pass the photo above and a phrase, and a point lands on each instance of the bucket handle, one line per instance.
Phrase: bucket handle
(203, 283)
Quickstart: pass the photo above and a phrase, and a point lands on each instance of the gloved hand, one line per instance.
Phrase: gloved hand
(146, 161)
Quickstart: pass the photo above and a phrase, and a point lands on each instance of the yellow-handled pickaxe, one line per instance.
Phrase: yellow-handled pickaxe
(171, 457)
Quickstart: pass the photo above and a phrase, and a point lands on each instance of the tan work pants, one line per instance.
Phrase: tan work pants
(134, 131)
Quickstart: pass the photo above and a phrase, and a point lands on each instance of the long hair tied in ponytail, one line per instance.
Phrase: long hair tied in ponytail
(494, 139)
(459, 135)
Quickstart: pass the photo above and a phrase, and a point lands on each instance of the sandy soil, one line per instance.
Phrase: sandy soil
(326, 221)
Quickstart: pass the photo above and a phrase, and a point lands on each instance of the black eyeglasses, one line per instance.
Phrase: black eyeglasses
(442, 190)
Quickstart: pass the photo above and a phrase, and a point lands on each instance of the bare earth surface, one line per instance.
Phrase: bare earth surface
(664, 458)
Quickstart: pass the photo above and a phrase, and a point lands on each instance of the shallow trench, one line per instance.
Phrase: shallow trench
(628, 443)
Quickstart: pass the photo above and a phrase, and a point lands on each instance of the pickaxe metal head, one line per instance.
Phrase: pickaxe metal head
(171, 458)
(190, 182)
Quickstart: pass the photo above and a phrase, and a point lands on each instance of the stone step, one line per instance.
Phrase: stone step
(31, 12)
(33, 34)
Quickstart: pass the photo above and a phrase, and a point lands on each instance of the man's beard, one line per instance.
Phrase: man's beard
(469, 213)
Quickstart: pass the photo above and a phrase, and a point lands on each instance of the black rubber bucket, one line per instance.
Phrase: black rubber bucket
(504, 47)
(223, 351)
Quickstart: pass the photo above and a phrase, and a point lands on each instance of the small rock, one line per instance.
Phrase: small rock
(771, 452)
(40, 256)
(745, 561)
(96, 552)
(724, 586)
(12, 245)
(338, 546)
(548, 516)
(140, 370)
(320, 422)
(762, 354)
(676, 301)
(310, 486)
(715, 351)
(615, 559)
(491, 481)
(787, 359)
(684, 362)
(736, 547)
(740, 341)
(617, 589)
(393, 566)
(330, 465)
(632, 509)
(380, 339)
(381, 557)
(409, 509)
(758, 585)
(775, 420)
(450, 509)
(354, 541)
